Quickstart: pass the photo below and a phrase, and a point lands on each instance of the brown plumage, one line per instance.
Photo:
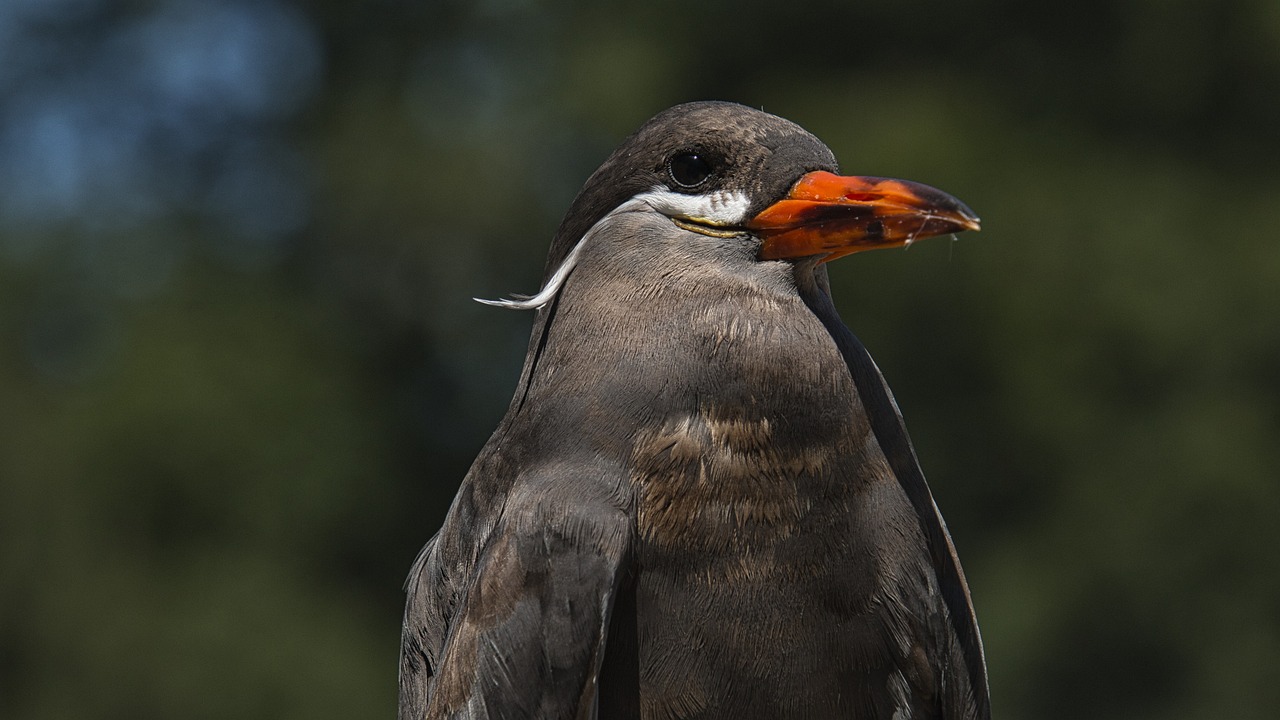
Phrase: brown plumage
(702, 502)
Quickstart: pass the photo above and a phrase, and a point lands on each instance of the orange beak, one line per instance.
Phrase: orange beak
(827, 214)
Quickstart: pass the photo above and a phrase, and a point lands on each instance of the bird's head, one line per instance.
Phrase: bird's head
(725, 170)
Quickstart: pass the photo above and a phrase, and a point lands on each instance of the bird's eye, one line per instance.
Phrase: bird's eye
(689, 170)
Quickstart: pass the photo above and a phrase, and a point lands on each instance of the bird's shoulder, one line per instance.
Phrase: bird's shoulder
(514, 569)
(513, 501)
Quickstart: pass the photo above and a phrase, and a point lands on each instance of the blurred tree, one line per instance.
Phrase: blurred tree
(242, 375)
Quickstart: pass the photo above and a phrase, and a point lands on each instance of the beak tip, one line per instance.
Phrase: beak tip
(967, 218)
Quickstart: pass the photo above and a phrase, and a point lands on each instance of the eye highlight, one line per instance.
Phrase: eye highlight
(689, 169)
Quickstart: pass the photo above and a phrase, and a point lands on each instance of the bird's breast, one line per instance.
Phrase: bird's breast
(719, 389)
(750, 564)
(759, 492)
(713, 483)
(756, 465)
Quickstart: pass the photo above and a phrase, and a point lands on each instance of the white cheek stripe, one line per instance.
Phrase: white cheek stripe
(724, 208)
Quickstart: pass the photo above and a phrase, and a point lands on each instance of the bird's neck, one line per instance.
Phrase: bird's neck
(730, 359)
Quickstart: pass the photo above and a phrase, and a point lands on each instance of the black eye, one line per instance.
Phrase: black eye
(689, 170)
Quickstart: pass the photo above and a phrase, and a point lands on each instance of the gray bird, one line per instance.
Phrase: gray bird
(702, 501)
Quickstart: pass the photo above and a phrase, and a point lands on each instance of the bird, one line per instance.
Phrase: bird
(702, 501)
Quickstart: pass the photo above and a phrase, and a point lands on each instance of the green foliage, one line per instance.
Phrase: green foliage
(216, 465)
(166, 521)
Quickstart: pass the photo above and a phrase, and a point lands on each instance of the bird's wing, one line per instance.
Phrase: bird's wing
(891, 434)
(424, 628)
(519, 631)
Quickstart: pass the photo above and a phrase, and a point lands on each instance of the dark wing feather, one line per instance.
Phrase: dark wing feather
(519, 632)
(891, 434)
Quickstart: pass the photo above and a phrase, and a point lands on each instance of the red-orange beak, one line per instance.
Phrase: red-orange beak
(826, 214)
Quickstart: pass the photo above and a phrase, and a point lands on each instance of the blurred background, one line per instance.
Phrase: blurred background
(241, 375)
